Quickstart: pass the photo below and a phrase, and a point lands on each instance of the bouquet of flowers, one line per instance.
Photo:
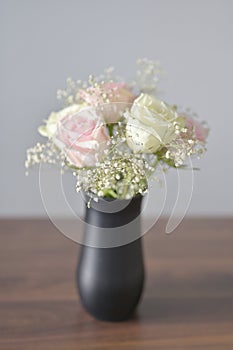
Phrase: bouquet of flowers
(112, 135)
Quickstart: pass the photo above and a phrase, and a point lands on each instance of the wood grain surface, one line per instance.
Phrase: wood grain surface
(187, 301)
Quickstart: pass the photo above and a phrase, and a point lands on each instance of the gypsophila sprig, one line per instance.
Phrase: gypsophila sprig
(43, 153)
(147, 75)
(112, 134)
(119, 177)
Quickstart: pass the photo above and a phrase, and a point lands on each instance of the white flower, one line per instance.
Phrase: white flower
(150, 124)
(50, 127)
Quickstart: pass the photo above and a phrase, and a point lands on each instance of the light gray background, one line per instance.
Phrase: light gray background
(44, 42)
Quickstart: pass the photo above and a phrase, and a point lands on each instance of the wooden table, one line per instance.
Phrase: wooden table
(187, 303)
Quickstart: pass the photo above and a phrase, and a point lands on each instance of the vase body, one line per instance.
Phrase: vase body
(110, 275)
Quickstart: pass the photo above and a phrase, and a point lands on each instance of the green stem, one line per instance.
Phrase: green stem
(110, 129)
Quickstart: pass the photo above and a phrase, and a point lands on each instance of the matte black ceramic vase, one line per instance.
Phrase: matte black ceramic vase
(110, 272)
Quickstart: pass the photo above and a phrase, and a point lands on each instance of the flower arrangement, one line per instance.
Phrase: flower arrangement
(113, 135)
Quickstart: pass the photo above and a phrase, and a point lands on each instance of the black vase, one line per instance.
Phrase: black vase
(110, 272)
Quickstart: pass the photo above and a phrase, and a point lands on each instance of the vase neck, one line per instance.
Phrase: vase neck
(112, 229)
(114, 213)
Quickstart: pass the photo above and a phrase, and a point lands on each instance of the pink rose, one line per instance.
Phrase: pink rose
(200, 131)
(83, 138)
(112, 97)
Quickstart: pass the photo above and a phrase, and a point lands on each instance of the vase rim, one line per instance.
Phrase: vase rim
(111, 199)
(109, 205)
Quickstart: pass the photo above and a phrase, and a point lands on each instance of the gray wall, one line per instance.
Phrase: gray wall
(44, 42)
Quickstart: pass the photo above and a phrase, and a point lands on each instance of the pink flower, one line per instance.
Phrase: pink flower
(113, 96)
(201, 132)
(83, 138)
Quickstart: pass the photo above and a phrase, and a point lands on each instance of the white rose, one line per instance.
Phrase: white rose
(50, 127)
(150, 124)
